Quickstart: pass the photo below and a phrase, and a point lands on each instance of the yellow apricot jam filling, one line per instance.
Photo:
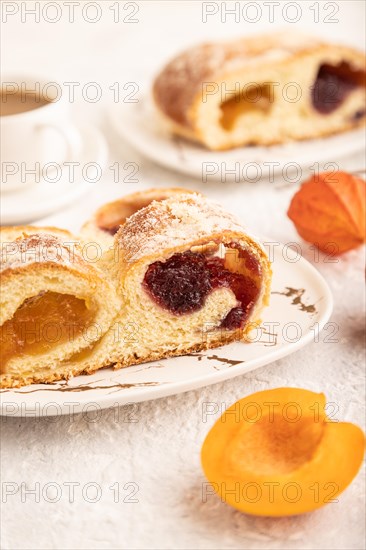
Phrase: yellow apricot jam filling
(41, 323)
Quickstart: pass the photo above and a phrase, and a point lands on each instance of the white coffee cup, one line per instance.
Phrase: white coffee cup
(37, 137)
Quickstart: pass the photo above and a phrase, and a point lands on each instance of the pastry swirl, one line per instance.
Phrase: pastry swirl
(53, 302)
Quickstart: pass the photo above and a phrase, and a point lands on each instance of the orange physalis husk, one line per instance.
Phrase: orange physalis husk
(329, 211)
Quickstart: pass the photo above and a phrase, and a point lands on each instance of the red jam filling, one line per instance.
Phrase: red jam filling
(332, 86)
(182, 283)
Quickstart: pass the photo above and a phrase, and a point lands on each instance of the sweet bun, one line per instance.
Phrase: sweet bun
(54, 303)
(191, 279)
(262, 90)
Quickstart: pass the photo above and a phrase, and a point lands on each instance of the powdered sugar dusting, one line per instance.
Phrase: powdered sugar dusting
(173, 223)
(38, 248)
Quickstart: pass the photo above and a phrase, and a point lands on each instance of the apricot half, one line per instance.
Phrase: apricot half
(276, 453)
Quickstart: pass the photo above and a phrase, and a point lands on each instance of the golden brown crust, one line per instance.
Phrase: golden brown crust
(29, 251)
(14, 231)
(116, 213)
(105, 222)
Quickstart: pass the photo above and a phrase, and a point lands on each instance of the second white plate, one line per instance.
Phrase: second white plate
(139, 124)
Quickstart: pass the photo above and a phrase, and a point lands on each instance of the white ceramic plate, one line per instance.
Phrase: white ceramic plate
(301, 304)
(139, 124)
(47, 196)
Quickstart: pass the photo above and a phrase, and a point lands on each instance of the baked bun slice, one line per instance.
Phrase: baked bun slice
(107, 220)
(191, 279)
(53, 303)
(262, 90)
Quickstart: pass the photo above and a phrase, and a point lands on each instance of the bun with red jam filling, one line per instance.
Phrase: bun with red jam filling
(191, 278)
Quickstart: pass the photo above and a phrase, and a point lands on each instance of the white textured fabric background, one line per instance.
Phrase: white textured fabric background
(152, 449)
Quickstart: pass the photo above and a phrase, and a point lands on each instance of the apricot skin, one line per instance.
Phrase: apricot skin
(276, 453)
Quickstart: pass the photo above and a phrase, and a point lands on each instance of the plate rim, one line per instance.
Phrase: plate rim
(164, 160)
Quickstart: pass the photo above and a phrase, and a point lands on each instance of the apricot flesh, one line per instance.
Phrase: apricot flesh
(276, 453)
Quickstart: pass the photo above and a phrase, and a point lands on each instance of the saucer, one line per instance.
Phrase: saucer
(62, 186)
(139, 124)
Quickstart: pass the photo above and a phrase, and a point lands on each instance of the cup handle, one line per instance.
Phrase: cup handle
(71, 136)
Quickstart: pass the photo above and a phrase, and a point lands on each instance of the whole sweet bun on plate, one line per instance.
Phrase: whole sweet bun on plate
(262, 90)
